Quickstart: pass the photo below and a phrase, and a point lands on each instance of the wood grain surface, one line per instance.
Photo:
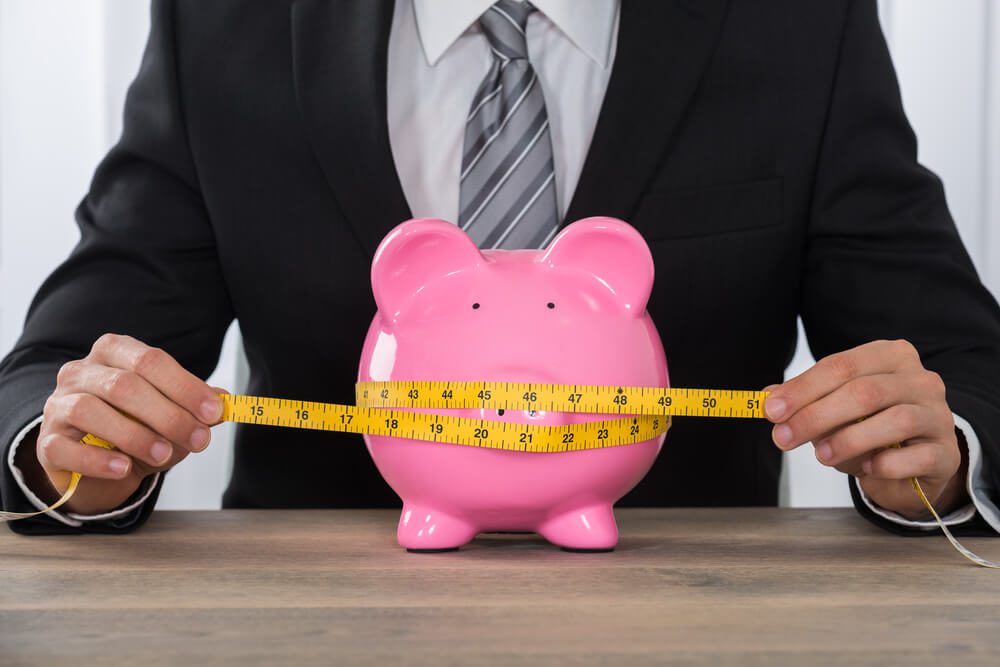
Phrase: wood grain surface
(697, 587)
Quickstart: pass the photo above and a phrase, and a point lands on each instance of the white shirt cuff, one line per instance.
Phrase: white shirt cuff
(977, 482)
(69, 518)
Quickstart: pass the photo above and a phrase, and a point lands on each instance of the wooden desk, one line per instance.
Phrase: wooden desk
(705, 587)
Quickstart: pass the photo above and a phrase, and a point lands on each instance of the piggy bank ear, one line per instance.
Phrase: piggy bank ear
(611, 250)
(414, 253)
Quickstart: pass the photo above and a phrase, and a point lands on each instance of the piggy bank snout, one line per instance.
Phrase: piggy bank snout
(540, 417)
(523, 374)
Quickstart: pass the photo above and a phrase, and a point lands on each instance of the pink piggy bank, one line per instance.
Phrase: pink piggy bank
(573, 313)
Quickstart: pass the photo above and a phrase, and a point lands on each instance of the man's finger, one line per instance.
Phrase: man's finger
(90, 414)
(859, 398)
(852, 466)
(60, 452)
(895, 424)
(132, 394)
(163, 372)
(831, 372)
(924, 459)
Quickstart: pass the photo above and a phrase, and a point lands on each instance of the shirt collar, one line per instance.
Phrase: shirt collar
(587, 24)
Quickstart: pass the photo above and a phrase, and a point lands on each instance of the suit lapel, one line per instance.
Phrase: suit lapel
(339, 61)
(663, 49)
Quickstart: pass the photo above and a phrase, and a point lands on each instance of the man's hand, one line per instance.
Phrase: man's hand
(134, 396)
(884, 384)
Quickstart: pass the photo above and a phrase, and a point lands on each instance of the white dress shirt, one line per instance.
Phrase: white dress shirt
(437, 57)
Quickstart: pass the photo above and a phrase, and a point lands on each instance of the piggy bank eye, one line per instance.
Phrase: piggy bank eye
(551, 305)
(475, 306)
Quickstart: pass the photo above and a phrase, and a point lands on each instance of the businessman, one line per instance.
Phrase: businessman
(760, 148)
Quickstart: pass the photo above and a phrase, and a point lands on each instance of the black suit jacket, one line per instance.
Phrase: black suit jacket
(760, 148)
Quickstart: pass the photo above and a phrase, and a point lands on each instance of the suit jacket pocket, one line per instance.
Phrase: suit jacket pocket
(677, 214)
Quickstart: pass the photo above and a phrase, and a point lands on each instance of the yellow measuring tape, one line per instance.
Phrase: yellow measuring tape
(636, 414)
(651, 409)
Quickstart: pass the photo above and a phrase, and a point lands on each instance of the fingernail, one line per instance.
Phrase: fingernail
(211, 410)
(824, 452)
(775, 408)
(161, 451)
(782, 435)
(118, 465)
(199, 439)
(866, 466)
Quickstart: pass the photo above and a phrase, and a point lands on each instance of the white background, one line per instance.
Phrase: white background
(65, 65)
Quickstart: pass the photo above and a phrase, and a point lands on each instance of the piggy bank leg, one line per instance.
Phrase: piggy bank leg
(587, 528)
(423, 528)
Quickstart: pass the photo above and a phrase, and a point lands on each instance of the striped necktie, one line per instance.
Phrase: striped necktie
(507, 195)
